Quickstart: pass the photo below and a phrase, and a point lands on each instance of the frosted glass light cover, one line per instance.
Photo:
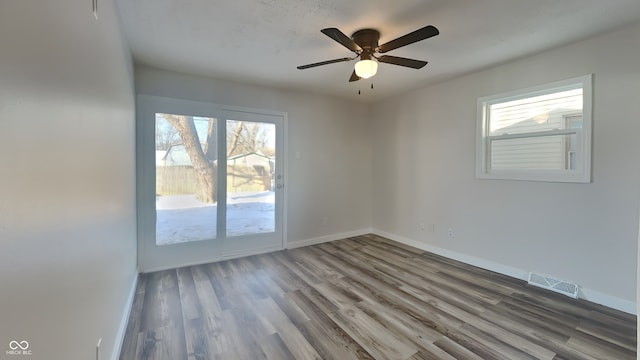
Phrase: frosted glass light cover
(366, 68)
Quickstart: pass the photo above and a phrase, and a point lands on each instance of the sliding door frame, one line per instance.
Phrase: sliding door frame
(152, 257)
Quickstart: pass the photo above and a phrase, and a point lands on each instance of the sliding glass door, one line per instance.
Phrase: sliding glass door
(254, 182)
(211, 182)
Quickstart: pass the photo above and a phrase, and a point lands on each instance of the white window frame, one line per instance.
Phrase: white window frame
(582, 171)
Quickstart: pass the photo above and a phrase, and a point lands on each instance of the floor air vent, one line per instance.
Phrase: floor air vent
(552, 284)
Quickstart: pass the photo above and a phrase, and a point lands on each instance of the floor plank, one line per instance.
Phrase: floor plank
(364, 297)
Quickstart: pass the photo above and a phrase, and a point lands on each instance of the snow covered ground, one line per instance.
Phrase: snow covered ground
(183, 218)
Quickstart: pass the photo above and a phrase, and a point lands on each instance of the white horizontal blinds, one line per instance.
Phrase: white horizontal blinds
(534, 132)
(536, 153)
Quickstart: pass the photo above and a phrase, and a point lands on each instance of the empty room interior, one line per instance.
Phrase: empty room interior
(281, 179)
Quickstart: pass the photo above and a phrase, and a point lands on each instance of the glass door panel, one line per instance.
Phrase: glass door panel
(186, 197)
(206, 188)
(251, 171)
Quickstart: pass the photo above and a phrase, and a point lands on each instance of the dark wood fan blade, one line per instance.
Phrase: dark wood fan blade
(354, 77)
(416, 64)
(420, 34)
(341, 38)
(302, 67)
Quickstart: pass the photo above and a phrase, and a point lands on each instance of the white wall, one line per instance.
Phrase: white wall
(424, 151)
(67, 184)
(332, 178)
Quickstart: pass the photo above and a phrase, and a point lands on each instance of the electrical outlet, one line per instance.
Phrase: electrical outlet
(450, 232)
(422, 226)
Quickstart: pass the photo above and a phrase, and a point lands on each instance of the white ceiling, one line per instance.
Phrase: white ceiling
(262, 41)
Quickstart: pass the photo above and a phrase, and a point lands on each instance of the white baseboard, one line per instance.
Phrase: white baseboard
(117, 347)
(467, 259)
(327, 238)
(608, 301)
(586, 294)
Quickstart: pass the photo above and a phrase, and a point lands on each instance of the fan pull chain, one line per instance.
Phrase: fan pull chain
(360, 92)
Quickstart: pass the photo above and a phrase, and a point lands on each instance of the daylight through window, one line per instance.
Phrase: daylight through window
(540, 133)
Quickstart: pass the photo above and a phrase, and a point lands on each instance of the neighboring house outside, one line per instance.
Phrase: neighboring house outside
(538, 152)
(250, 172)
(160, 157)
(262, 163)
(176, 155)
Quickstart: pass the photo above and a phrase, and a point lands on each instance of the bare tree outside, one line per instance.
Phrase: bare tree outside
(211, 146)
(187, 152)
(200, 144)
(166, 134)
(246, 137)
(204, 168)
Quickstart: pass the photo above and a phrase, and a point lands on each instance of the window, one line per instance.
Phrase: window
(540, 134)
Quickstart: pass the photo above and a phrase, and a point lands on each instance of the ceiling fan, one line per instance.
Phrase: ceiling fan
(364, 43)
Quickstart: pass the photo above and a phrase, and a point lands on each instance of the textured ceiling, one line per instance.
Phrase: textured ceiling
(262, 41)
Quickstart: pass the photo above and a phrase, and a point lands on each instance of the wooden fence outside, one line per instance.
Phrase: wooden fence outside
(179, 180)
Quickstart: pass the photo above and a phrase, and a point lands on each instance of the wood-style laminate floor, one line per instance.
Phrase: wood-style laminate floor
(363, 298)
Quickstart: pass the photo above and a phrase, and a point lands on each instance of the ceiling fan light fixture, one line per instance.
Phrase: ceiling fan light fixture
(364, 43)
(366, 68)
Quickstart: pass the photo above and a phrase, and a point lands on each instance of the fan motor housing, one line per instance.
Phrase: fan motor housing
(367, 39)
